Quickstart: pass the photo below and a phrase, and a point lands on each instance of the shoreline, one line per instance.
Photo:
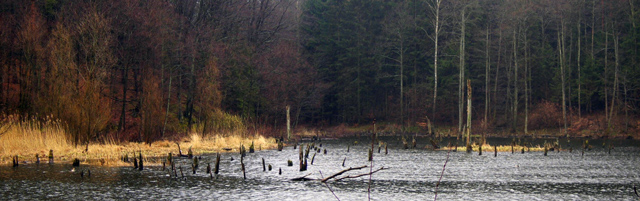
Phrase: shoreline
(111, 154)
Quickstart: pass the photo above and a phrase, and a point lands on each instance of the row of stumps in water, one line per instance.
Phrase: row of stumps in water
(170, 164)
(76, 163)
(547, 147)
(16, 160)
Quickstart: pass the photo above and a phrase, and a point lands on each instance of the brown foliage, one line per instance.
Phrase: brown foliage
(545, 114)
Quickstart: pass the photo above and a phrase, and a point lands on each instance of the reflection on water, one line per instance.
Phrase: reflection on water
(413, 175)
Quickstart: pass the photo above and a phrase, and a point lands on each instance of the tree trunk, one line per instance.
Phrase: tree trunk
(435, 57)
(486, 80)
(515, 79)
(461, 70)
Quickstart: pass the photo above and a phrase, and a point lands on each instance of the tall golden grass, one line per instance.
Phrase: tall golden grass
(26, 140)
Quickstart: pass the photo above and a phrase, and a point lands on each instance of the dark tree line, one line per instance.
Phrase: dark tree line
(145, 70)
(408, 60)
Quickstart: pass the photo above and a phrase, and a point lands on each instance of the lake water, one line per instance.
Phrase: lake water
(412, 175)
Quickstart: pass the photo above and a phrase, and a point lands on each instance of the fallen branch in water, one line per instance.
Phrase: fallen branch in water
(324, 180)
(361, 175)
(342, 172)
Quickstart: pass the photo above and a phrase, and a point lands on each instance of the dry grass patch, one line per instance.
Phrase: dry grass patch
(501, 148)
(26, 141)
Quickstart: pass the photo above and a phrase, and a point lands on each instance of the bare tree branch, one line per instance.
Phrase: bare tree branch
(361, 175)
(342, 172)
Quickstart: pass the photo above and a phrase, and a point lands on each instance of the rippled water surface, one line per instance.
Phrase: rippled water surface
(412, 175)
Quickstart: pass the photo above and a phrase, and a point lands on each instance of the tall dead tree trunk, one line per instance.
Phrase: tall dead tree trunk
(487, 67)
(436, 9)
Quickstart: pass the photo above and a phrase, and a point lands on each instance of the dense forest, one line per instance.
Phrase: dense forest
(146, 70)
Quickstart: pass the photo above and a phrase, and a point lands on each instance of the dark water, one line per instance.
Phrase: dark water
(412, 175)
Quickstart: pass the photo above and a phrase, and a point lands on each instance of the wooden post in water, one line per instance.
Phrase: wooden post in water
(545, 150)
(208, 168)
(244, 173)
(251, 148)
(495, 150)
(313, 158)
(288, 124)
(51, 156)
(38, 158)
(343, 160)
(15, 161)
(140, 166)
(135, 163)
(194, 166)
(385, 149)
(263, 166)
(289, 163)
(479, 150)
(348, 148)
(270, 167)
(217, 167)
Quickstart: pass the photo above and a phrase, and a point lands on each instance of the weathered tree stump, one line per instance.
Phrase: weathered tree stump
(251, 148)
(140, 166)
(51, 156)
(244, 172)
(289, 163)
(217, 167)
(195, 164)
(386, 151)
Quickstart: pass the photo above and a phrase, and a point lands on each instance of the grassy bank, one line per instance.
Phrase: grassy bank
(25, 141)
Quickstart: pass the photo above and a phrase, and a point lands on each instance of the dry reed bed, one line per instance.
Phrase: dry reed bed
(502, 148)
(26, 141)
